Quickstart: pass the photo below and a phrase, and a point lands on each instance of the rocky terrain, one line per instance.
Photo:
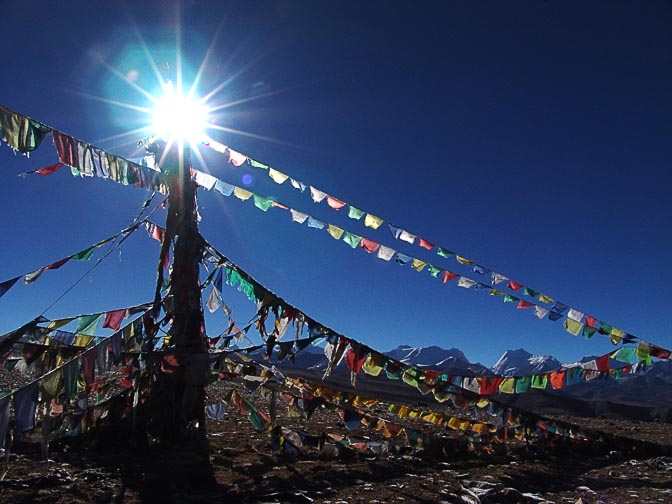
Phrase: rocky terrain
(632, 465)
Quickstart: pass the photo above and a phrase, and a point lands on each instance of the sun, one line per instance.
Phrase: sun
(178, 117)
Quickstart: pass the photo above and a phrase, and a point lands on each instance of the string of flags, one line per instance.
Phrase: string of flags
(360, 357)
(82, 255)
(575, 322)
(24, 134)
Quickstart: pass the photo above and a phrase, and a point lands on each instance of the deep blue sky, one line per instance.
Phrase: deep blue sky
(533, 137)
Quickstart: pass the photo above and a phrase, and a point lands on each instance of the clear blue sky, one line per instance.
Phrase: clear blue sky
(532, 137)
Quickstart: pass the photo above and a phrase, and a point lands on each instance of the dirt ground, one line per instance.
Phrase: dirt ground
(239, 466)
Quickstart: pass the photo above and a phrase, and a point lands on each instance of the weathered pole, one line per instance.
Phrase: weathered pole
(177, 396)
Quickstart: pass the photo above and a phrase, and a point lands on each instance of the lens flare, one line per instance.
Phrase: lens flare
(178, 117)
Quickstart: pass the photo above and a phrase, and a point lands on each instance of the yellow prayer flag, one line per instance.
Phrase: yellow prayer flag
(372, 221)
(373, 364)
(440, 395)
(573, 327)
(495, 292)
(278, 177)
(242, 194)
(454, 423)
(82, 340)
(508, 385)
(616, 335)
(462, 260)
(545, 299)
(55, 324)
(335, 231)
(418, 265)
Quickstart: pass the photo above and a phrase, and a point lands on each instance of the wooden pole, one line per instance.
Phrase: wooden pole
(183, 389)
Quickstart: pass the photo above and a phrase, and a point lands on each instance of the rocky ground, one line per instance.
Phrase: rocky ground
(241, 467)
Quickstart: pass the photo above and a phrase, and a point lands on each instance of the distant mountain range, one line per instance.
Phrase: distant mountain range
(651, 387)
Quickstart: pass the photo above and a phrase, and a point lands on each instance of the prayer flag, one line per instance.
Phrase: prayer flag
(316, 223)
(278, 177)
(524, 304)
(573, 327)
(355, 213)
(575, 315)
(257, 164)
(335, 203)
(236, 158)
(418, 265)
(395, 231)
(351, 239)
(298, 216)
(224, 188)
(369, 245)
(372, 221)
(444, 252)
(514, 286)
(262, 203)
(497, 278)
(402, 258)
(48, 170)
(297, 185)
(317, 195)
(242, 194)
(462, 260)
(385, 253)
(434, 271)
(426, 244)
(335, 231)
(407, 237)
(466, 282)
(448, 276)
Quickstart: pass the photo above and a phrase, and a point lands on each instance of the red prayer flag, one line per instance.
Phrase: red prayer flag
(515, 285)
(236, 158)
(591, 321)
(448, 276)
(48, 170)
(425, 244)
(524, 304)
(602, 363)
(335, 203)
(57, 264)
(659, 353)
(369, 245)
(114, 318)
(355, 358)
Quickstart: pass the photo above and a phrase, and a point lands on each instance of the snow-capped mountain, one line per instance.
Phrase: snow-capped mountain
(521, 362)
(437, 358)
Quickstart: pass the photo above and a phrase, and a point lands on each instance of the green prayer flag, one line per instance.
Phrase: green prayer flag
(232, 276)
(84, 255)
(247, 288)
(87, 324)
(434, 271)
(351, 239)
(508, 298)
(257, 164)
(523, 384)
(588, 332)
(257, 421)
(625, 354)
(539, 381)
(355, 213)
(529, 292)
(262, 203)
(444, 252)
